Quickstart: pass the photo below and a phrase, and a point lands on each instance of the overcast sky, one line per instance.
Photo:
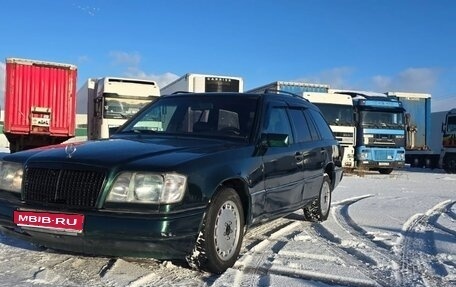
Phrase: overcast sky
(378, 45)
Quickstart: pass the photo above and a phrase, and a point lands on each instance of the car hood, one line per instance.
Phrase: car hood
(115, 152)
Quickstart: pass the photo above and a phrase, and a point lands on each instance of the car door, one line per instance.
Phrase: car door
(309, 144)
(282, 171)
(315, 169)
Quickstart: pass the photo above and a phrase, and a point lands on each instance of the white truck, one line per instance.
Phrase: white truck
(199, 83)
(339, 113)
(113, 100)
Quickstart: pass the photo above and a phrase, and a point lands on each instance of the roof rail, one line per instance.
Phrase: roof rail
(284, 93)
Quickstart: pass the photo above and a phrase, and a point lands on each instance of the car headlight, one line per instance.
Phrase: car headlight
(146, 187)
(11, 176)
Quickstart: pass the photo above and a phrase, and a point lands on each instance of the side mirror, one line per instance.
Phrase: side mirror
(274, 140)
(444, 128)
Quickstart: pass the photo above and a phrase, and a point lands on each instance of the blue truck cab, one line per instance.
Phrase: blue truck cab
(380, 132)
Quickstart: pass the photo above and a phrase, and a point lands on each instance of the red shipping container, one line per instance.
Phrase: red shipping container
(40, 105)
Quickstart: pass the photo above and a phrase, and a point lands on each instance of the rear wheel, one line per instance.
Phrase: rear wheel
(220, 239)
(318, 210)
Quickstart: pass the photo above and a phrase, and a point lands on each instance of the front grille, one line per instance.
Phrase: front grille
(385, 154)
(65, 187)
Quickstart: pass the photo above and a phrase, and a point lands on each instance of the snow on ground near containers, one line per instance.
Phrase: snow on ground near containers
(384, 230)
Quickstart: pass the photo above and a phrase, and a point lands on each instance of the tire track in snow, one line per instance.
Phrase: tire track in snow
(255, 261)
(413, 244)
(270, 256)
(373, 257)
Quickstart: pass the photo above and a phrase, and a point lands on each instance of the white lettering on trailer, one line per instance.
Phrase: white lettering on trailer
(219, 79)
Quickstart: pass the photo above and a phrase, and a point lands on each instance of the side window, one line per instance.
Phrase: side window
(277, 122)
(324, 129)
(301, 126)
(313, 130)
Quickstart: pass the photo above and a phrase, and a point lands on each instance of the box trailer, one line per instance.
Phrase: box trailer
(292, 87)
(39, 103)
(200, 83)
(418, 137)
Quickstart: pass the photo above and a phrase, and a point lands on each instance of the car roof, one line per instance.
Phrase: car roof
(289, 98)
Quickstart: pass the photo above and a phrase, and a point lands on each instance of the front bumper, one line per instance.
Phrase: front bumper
(375, 165)
(111, 233)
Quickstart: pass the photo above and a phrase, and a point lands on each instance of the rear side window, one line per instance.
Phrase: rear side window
(301, 126)
(313, 130)
(324, 129)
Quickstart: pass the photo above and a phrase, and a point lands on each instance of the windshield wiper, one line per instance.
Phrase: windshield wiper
(138, 132)
(114, 114)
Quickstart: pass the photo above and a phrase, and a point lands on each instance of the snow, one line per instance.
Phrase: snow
(383, 230)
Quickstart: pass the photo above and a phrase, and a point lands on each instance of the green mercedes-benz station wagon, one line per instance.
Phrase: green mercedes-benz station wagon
(186, 177)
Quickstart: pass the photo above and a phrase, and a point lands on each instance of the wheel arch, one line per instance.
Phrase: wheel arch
(242, 190)
(329, 170)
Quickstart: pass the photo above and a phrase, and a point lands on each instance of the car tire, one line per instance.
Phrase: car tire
(219, 242)
(318, 210)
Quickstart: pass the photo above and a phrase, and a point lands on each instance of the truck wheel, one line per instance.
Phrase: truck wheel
(318, 210)
(13, 147)
(220, 239)
(385, 170)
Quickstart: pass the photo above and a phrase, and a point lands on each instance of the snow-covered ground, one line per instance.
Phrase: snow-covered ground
(384, 230)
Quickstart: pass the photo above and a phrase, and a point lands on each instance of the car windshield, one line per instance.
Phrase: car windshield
(197, 115)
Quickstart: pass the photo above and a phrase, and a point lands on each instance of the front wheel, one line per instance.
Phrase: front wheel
(220, 239)
(318, 210)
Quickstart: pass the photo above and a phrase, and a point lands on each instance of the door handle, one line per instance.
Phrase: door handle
(299, 157)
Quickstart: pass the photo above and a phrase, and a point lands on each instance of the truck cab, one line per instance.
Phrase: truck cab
(448, 155)
(339, 113)
(112, 101)
(380, 129)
